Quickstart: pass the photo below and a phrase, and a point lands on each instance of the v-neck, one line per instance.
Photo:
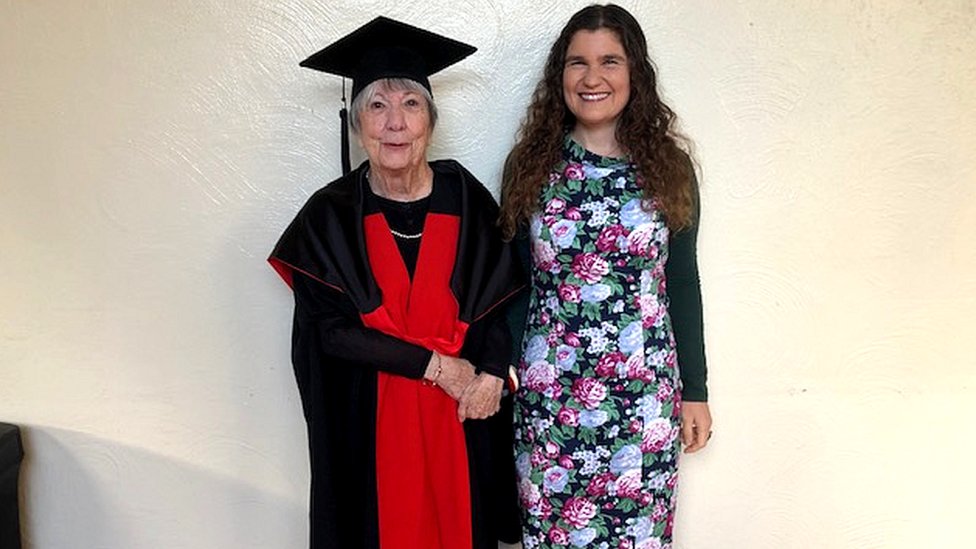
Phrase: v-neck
(408, 301)
(390, 248)
(407, 228)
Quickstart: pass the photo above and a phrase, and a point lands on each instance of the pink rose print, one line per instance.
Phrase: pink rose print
(607, 241)
(529, 494)
(568, 416)
(640, 239)
(573, 214)
(599, 485)
(552, 450)
(555, 206)
(559, 328)
(664, 392)
(629, 484)
(538, 457)
(558, 536)
(652, 310)
(607, 365)
(649, 543)
(545, 509)
(569, 292)
(565, 462)
(660, 511)
(590, 392)
(590, 267)
(544, 255)
(539, 376)
(637, 370)
(578, 512)
(658, 434)
(574, 172)
(572, 339)
(673, 481)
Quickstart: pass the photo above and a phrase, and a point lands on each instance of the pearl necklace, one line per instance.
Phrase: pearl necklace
(407, 236)
(398, 234)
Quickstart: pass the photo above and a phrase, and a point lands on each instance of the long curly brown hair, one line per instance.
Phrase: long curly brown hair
(645, 129)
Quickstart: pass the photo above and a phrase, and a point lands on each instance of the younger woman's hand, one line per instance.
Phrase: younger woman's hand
(696, 425)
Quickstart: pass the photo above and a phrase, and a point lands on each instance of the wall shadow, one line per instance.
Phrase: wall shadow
(87, 492)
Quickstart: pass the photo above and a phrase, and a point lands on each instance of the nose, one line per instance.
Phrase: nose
(395, 120)
(591, 77)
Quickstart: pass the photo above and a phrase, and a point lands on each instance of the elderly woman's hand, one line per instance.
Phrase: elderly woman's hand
(454, 374)
(481, 398)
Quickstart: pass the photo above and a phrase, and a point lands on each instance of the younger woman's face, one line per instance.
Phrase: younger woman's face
(596, 78)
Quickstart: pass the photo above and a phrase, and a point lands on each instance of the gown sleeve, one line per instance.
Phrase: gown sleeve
(684, 293)
(488, 344)
(330, 317)
(518, 310)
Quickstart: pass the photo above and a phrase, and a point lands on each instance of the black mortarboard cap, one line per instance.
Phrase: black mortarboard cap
(384, 48)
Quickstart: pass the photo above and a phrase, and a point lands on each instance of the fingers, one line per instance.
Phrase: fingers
(480, 412)
(696, 426)
(697, 442)
(465, 404)
(481, 399)
(687, 434)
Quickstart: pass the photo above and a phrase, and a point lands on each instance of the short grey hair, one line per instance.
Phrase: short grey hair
(389, 84)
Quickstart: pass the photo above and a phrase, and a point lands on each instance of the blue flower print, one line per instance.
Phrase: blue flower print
(626, 458)
(593, 293)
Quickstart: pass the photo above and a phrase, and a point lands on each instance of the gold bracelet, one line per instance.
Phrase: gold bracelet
(437, 372)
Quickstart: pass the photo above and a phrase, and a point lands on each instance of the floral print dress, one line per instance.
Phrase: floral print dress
(597, 418)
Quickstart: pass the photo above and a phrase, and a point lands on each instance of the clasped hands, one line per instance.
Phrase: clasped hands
(478, 395)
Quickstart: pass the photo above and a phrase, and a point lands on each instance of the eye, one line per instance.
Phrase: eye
(376, 105)
(412, 102)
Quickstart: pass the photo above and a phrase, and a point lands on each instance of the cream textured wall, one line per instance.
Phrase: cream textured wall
(151, 153)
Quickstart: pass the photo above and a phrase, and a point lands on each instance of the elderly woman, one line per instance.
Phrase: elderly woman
(613, 367)
(399, 352)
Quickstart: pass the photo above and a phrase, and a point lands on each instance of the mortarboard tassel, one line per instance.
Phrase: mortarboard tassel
(344, 117)
(344, 121)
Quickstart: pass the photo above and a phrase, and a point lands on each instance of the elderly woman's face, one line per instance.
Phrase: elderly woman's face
(395, 129)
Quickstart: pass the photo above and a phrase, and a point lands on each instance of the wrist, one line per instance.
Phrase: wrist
(434, 369)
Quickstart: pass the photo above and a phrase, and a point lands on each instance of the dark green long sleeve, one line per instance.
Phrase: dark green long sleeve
(685, 309)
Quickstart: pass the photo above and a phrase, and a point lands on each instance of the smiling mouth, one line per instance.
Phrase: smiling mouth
(594, 96)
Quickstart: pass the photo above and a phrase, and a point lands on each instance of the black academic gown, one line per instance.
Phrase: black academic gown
(326, 245)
